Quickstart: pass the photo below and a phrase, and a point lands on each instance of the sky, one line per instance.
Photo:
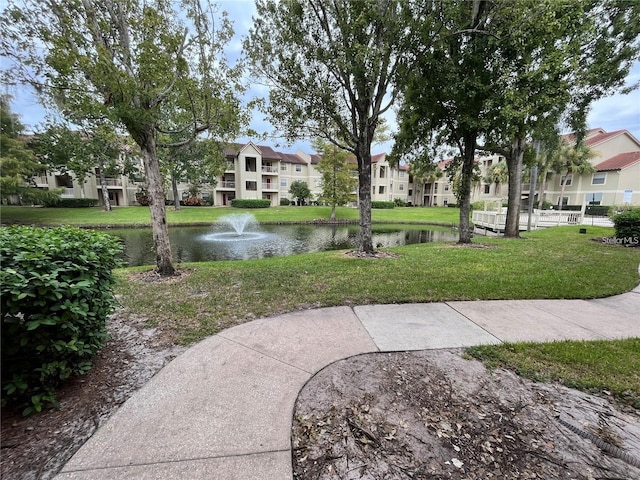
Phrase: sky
(617, 112)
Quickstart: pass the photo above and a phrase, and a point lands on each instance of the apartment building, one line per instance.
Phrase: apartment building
(616, 180)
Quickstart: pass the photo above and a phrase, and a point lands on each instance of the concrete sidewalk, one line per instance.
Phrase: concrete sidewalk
(223, 409)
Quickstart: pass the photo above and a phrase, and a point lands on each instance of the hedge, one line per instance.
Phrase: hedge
(285, 202)
(71, 203)
(627, 224)
(250, 203)
(382, 205)
(56, 296)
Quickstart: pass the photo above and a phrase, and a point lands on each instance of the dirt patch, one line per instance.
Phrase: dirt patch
(435, 415)
(373, 255)
(38, 446)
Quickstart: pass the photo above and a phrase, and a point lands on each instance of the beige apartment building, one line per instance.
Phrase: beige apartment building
(260, 172)
(616, 180)
(252, 172)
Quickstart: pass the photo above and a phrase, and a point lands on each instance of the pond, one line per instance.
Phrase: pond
(202, 244)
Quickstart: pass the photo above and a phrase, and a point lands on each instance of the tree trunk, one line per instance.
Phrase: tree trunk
(174, 187)
(514, 165)
(364, 194)
(164, 261)
(333, 213)
(468, 159)
(105, 191)
(543, 187)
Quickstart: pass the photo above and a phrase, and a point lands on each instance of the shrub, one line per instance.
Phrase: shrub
(56, 297)
(250, 203)
(285, 202)
(627, 224)
(193, 201)
(71, 203)
(399, 202)
(452, 205)
(382, 205)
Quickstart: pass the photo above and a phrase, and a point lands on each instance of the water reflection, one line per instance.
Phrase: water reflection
(197, 244)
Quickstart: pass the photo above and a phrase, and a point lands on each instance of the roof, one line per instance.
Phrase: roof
(291, 158)
(601, 137)
(232, 150)
(619, 162)
(596, 136)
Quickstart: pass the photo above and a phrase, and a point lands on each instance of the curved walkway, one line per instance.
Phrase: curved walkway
(223, 409)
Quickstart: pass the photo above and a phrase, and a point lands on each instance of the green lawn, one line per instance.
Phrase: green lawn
(611, 367)
(140, 216)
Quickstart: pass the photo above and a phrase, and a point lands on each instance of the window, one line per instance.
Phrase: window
(401, 187)
(401, 174)
(283, 182)
(252, 185)
(593, 198)
(566, 180)
(446, 187)
(598, 178)
(283, 167)
(250, 164)
(381, 189)
(298, 168)
(565, 201)
(487, 188)
(489, 163)
(446, 202)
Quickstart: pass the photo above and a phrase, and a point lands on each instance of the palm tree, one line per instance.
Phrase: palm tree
(497, 174)
(424, 173)
(570, 160)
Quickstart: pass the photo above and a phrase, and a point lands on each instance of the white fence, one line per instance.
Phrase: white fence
(496, 221)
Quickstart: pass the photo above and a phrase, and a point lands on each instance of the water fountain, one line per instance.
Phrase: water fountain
(240, 224)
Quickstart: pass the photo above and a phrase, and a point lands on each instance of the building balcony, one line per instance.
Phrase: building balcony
(113, 182)
(41, 180)
(67, 193)
(269, 169)
(227, 185)
(270, 186)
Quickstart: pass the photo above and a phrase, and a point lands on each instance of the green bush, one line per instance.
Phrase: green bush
(56, 296)
(285, 202)
(627, 224)
(193, 201)
(71, 203)
(250, 203)
(398, 202)
(382, 205)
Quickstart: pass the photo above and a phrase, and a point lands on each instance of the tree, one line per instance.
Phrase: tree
(134, 63)
(196, 162)
(569, 160)
(445, 92)
(338, 182)
(497, 174)
(18, 162)
(92, 149)
(300, 190)
(330, 67)
(555, 62)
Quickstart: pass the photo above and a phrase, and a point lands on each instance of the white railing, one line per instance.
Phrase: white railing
(269, 169)
(67, 193)
(228, 184)
(496, 221)
(269, 186)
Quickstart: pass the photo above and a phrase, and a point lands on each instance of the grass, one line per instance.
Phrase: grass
(139, 216)
(610, 367)
(553, 263)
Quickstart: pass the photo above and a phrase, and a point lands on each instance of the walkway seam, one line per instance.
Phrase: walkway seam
(477, 325)
(167, 462)
(262, 353)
